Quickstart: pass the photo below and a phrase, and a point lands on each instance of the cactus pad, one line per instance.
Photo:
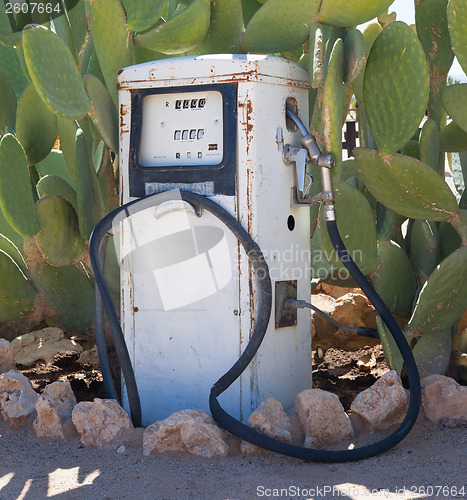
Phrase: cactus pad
(443, 298)
(112, 40)
(432, 353)
(424, 248)
(280, 25)
(16, 198)
(142, 15)
(449, 239)
(225, 30)
(55, 164)
(7, 35)
(457, 19)
(54, 73)
(12, 250)
(429, 144)
(58, 240)
(36, 126)
(69, 294)
(433, 33)
(357, 227)
(332, 106)
(396, 288)
(344, 13)
(7, 231)
(406, 185)
(11, 68)
(454, 99)
(7, 104)
(182, 32)
(51, 185)
(452, 138)
(16, 294)
(103, 111)
(396, 78)
(391, 351)
(354, 55)
(84, 190)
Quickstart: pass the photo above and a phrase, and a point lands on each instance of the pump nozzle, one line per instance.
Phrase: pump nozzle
(325, 162)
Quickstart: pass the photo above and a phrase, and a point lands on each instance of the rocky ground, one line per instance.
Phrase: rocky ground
(429, 463)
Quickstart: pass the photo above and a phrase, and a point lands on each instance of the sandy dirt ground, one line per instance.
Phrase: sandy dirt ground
(430, 463)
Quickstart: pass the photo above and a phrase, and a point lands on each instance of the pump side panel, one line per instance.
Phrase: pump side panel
(282, 366)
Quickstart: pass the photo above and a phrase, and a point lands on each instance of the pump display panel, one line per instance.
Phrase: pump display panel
(183, 137)
(182, 129)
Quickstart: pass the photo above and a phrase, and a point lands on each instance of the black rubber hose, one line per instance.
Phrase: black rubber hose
(99, 326)
(99, 234)
(264, 305)
(248, 434)
(363, 331)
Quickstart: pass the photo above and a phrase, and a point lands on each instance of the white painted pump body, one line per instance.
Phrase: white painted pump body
(180, 346)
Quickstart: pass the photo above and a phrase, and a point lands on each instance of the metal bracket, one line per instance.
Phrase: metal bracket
(299, 157)
(296, 200)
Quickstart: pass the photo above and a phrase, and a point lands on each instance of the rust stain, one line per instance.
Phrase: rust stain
(246, 108)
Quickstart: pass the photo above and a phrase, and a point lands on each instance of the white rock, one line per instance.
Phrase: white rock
(382, 405)
(443, 397)
(17, 399)
(54, 408)
(90, 357)
(322, 417)
(41, 345)
(7, 361)
(193, 431)
(269, 419)
(102, 423)
(121, 449)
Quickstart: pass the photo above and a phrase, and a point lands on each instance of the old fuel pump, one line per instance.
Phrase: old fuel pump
(213, 238)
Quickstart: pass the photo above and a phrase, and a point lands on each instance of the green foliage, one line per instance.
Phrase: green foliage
(11, 68)
(280, 25)
(36, 126)
(424, 248)
(103, 112)
(355, 55)
(70, 296)
(59, 240)
(7, 104)
(54, 73)
(112, 41)
(85, 198)
(225, 29)
(443, 297)
(182, 32)
(397, 289)
(432, 352)
(457, 19)
(16, 294)
(142, 15)
(405, 185)
(429, 144)
(344, 13)
(356, 225)
(396, 51)
(454, 99)
(16, 199)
